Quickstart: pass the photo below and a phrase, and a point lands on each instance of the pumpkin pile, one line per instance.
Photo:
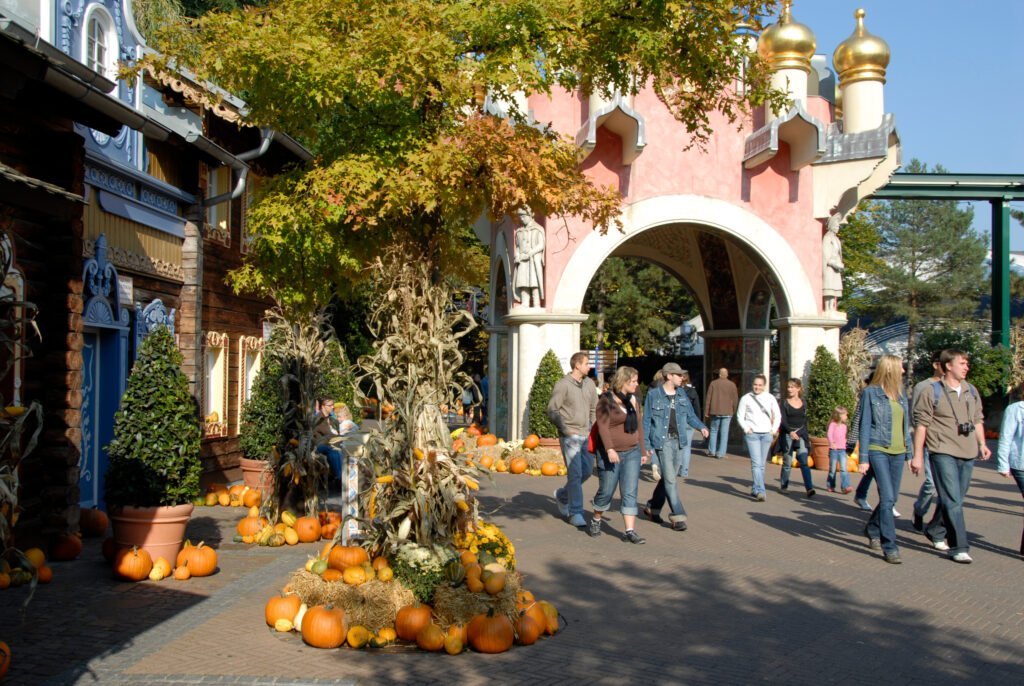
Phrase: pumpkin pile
(777, 459)
(238, 495)
(136, 564)
(289, 530)
(514, 457)
(29, 564)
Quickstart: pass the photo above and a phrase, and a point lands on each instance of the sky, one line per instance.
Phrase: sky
(953, 80)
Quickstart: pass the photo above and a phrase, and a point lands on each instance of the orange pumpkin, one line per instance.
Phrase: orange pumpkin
(528, 629)
(93, 522)
(380, 562)
(458, 631)
(133, 564)
(490, 633)
(201, 559)
(486, 439)
(494, 582)
(66, 548)
(518, 465)
(44, 574)
(536, 612)
(549, 469)
(473, 430)
(308, 529)
(411, 620)
(182, 573)
(250, 526)
(324, 626)
(343, 556)
(531, 442)
(328, 531)
(332, 575)
(354, 576)
(551, 614)
(524, 598)
(5, 658)
(430, 638)
(500, 466)
(486, 461)
(253, 496)
(281, 607)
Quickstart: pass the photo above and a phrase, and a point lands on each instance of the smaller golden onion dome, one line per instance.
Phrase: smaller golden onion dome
(787, 44)
(861, 57)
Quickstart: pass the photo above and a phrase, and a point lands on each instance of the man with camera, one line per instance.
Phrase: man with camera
(949, 423)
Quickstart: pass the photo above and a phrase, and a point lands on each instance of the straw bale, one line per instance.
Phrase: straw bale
(373, 604)
(459, 605)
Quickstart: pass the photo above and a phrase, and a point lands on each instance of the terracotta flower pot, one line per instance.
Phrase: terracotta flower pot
(819, 451)
(550, 443)
(160, 530)
(255, 474)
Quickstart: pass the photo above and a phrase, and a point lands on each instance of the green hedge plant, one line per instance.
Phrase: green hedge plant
(827, 388)
(154, 457)
(548, 373)
(262, 424)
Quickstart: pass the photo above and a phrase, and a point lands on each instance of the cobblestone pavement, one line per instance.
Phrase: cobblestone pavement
(784, 591)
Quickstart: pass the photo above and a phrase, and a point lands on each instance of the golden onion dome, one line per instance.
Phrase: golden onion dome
(787, 44)
(861, 57)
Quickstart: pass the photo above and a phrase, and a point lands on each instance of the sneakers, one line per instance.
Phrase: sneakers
(650, 514)
(918, 523)
(811, 492)
(847, 490)
(893, 558)
(679, 526)
(783, 486)
(863, 504)
(962, 558)
(563, 507)
(656, 471)
(759, 497)
(940, 545)
(874, 544)
(578, 521)
(594, 528)
(633, 537)
(895, 512)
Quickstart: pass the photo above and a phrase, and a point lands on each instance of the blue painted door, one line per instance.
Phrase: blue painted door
(103, 376)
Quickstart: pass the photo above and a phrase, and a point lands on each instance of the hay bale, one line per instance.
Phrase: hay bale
(459, 605)
(373, 604)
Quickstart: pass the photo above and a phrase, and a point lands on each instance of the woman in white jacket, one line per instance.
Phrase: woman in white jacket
(758, 414)
(1010, 453)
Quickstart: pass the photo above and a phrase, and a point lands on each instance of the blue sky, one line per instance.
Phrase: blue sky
(953, 80)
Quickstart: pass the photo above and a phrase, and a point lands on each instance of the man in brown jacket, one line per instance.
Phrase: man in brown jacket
(949, 423)
(719, 407)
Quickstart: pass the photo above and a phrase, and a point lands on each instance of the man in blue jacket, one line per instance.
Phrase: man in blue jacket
(668, 417)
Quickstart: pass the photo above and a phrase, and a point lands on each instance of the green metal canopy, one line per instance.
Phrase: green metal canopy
(998, 190)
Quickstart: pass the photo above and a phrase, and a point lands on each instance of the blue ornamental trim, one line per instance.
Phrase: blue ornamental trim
(150, 318)
(102, 299)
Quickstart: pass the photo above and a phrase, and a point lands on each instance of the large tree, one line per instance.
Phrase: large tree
(389, 96)
(931, 262)
(638, 305)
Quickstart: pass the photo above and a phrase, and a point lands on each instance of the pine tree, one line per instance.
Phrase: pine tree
(154, 457)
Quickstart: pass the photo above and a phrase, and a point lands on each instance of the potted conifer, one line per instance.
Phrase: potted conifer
(549, 371)
(262, 426)
(154, 468)
(827, 389)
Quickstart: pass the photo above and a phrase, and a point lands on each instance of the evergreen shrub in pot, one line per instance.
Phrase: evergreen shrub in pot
(154, 464)
(262, 425)
(827, 388)
(549, 371)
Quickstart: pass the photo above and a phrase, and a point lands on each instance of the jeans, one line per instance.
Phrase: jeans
(758, 445)
(718, 441)
(684, 454)
(865, 482)
(926, 496)
(1018, 476)
(626, 475)
(952, 477)
(837, 462)
(800, 448)
(579, 464)
(667, 489)
(334, 456)
(881, 524)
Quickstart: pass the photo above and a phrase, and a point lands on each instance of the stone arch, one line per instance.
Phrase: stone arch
(758, 239)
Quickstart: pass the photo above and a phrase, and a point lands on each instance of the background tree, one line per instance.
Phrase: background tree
(389, 96)
(990, 364)
(640, 304)
(930, 262)
(861, 239)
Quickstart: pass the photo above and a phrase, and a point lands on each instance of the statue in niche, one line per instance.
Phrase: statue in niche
(832, 264)
(528, 280)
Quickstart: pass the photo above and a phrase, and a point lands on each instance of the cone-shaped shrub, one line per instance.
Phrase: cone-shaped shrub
(154, 457)
(548, 373)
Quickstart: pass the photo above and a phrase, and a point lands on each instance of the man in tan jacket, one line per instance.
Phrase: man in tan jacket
(719, 406)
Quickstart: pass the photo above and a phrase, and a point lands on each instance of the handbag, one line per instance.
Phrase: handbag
(594, 440)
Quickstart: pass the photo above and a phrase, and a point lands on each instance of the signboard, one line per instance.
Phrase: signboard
(125, 290)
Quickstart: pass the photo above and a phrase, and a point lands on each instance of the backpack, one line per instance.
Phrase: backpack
(937, 388)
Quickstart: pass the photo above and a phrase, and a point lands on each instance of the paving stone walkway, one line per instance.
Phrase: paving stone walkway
(784, 591)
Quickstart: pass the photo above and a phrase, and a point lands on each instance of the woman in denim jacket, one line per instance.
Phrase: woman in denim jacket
(1010, 453)
(885, 433)
(669, 418)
